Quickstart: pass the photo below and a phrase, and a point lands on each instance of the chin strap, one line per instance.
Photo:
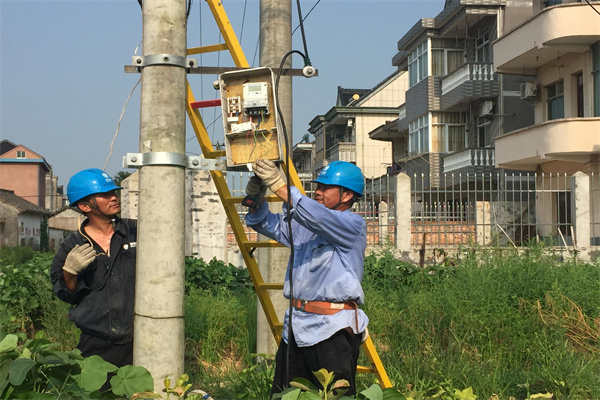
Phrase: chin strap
(340, 201)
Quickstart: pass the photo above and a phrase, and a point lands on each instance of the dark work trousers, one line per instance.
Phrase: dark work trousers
(337, 354)
(117, 354)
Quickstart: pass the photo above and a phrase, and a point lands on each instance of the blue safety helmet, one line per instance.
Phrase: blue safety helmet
(344, 174)
(88, 182)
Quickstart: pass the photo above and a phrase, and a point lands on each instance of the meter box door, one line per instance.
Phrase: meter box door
(250, 119)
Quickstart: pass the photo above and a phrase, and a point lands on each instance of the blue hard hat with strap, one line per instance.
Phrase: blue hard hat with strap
(88, 182)
(344, 174)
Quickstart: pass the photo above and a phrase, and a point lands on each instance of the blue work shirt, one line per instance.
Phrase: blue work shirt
(329, 248)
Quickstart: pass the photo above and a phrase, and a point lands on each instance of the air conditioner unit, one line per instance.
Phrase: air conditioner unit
(485, 109)
(528, 91)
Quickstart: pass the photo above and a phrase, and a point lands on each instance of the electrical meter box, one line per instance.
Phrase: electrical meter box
(250, 118)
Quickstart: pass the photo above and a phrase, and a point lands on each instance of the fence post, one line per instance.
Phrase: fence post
(403, 214)
(580, 209)
(483, 218)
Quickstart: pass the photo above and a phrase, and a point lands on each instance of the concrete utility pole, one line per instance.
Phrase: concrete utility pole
(159, 302)
(275, 42)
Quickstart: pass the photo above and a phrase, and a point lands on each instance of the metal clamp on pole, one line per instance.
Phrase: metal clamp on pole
(138, 160)
(164, 59)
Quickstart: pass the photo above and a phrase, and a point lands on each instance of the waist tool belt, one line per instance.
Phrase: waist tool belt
(326, 307)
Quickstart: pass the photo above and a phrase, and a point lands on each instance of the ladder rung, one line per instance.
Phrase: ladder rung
(238, 199)
(360, 368)
(262, 243)
(271, 286)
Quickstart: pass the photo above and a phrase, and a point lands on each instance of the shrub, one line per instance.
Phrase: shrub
(21, 286)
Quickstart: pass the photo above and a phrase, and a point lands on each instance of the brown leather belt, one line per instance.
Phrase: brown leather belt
(325, 307)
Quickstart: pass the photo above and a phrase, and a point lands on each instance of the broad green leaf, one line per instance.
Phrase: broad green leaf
(19, 369)
(291, 395)
(9, 343)
(374, 392)
(4, 368)
(466, 394)
(392, 394)
(94, 371)
(37, 396)
(304, 384)
(147, 394)
(324, 377)
(309, 396)
(131, 379)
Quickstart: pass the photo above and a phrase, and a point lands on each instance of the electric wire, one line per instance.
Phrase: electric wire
(302, 30)
(119, 123)
(288, 213)
(287, 159)
(594, 8)
(306, 16)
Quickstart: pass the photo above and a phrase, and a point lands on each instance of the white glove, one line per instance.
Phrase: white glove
(79, 258)
(256, 188)
(269, 173)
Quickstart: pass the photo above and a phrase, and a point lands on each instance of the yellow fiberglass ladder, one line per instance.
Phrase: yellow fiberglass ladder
(229, 202)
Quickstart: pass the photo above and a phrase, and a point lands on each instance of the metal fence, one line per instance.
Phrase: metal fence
(501, 209)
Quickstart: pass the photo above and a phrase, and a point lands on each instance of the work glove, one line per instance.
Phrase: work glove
(256, 188)
(269, 173)
(79, 258)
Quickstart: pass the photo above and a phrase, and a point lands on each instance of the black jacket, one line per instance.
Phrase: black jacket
(104, 297)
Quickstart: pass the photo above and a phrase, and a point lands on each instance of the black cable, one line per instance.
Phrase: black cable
(305, 55)
(287, 159)
(594, 8)
(306, 16)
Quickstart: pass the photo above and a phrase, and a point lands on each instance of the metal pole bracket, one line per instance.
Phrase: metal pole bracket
(138, 160)
(164, 59)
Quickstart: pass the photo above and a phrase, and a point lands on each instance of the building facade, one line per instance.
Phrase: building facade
(557, 45)
(29, 176)
(343, 132)
(456, 105)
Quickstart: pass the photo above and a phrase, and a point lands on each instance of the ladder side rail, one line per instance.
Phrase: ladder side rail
(241, 238)
(199, 128)
(235, 49)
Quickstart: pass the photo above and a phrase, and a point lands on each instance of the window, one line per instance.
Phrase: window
(319, 138)
(483, 127)
(445, 57)
(417, 64)
(556, 101)
(579, 85)
(418, 135)
(449, 129)
(20, 154)
(445, 61)
(548, 3)
(596, 77)
(482, 48)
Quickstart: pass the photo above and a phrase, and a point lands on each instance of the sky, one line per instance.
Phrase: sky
(64, 93)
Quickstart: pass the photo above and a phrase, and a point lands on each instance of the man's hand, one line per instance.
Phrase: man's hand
(269, 173)
(79, 258)
(256, 188)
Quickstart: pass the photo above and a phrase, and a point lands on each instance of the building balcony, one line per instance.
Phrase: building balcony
(470, 160)
(569, 140)
(342, 151)
(565, 28)
(473, 80)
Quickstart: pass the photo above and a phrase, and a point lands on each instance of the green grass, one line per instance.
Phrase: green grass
(501, 322)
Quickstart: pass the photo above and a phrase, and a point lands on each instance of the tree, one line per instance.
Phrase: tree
(120, 176)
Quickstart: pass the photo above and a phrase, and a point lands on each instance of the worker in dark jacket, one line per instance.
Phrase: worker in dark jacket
(94, 269)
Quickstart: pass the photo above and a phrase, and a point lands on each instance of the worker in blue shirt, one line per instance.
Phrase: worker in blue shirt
(329, 243)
